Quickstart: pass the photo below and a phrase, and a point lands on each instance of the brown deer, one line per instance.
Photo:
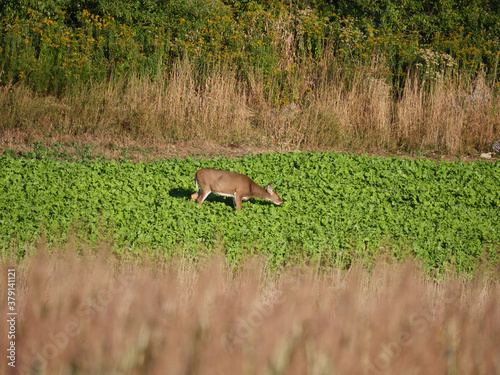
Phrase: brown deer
(230, 184)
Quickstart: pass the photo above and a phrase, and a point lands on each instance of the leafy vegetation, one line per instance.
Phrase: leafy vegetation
(56, 44)
(337, 208)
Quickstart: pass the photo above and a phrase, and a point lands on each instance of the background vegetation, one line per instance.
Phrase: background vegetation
(419, 74)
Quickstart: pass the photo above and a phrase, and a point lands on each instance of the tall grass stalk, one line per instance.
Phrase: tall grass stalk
(94, 314)
(327, 108)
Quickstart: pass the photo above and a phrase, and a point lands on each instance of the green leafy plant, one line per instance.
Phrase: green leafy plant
(337, 207)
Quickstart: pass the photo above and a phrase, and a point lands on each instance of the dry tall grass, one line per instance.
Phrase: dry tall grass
(85, 315)
(453, 115)
(330, 110)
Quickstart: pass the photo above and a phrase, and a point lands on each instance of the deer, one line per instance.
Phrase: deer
(230, 184)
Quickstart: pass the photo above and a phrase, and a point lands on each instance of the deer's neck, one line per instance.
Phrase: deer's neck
(259, 192)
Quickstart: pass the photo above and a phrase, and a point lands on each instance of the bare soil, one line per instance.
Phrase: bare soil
(125, 147)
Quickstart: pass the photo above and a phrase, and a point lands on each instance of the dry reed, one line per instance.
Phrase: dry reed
(330, 111)
(98, 315)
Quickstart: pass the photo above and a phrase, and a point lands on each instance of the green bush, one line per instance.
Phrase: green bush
(54, 44)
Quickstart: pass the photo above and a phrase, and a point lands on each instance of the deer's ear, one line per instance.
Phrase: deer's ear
(269, 188)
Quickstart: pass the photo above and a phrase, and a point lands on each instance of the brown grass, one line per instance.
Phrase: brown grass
(331, 110)
(97, 315)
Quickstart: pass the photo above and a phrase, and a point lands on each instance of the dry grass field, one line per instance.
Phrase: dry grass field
(450, 115)
(94, 314)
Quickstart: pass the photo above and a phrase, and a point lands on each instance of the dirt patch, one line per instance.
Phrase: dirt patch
(119, 147)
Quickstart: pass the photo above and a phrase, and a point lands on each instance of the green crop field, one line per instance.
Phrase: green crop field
(337, 208)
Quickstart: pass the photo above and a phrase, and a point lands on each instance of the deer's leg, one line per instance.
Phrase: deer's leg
(237, 201)
(202, 196)
(197, 194)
